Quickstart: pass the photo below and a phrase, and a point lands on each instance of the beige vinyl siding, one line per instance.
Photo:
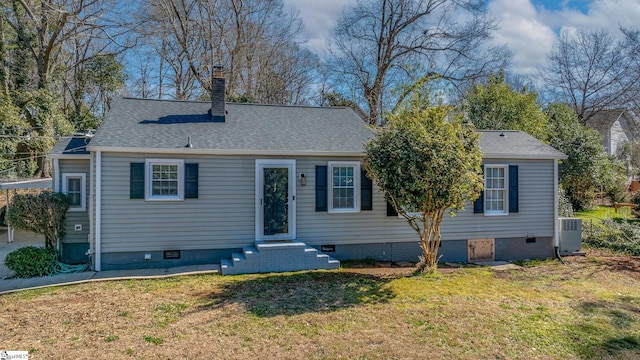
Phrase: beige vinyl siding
(221, 217)
(535, 216)
(224, 214)
(76, 217)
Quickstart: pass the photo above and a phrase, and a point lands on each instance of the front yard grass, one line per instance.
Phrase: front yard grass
(587, 309)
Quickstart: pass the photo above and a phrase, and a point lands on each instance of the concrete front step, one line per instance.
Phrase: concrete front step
(277, 257)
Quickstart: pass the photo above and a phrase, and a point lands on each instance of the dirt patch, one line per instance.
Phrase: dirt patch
(627, 265)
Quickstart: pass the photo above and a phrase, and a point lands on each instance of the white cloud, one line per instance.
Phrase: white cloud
(529, 30)
(520, 29)
(599, 14)
(318, 18)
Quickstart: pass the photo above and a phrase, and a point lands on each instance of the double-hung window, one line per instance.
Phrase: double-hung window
(344, 186)
(74, 185)
(495, 190)
(165, 179)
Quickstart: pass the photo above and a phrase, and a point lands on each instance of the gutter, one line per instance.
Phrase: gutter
(255, 152)
(56, 173)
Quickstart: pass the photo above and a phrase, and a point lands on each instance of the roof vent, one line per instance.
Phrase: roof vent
(502, 134)
(189, 144)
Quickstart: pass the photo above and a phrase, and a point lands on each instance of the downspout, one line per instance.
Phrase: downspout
(55, 180)
(92, 204)
(556, 238)
(56, 175)
(98, 231)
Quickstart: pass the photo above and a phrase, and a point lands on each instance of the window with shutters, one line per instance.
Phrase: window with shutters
(495, 189)
(344, 186)
(74, 185)
(165, 179)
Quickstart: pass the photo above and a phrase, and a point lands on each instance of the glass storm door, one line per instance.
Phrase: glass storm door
(275, 211)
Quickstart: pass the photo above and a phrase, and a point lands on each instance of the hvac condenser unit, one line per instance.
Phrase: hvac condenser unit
(570, 235)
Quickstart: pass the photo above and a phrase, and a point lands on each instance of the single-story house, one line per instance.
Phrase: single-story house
(616, 126)
(268, 187)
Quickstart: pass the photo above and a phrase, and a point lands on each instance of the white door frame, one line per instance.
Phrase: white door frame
(261, 164)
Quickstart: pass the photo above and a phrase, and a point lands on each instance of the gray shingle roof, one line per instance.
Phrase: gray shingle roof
(164, 125)
(70, 145)
(604, 119)
(515, 144)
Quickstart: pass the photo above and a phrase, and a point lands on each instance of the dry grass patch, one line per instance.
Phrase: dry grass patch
(583, 310)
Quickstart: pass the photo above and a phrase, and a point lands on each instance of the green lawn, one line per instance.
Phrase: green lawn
(587, 309)
(606, 212)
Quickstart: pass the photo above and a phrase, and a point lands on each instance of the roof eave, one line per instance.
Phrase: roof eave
(244, 152)
(525, 156)
(68, 156)
(249, 152)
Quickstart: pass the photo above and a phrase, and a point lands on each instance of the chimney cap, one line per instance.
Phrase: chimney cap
(217, 71)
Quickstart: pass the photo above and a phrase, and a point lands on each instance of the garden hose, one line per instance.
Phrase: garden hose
(62, 268)
(558, 255)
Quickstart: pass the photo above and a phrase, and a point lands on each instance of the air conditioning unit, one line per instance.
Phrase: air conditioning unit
(570, 235)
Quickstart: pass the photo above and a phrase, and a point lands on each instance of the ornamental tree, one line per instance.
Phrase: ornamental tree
(497, 106)
(427, 161)
(43, 213)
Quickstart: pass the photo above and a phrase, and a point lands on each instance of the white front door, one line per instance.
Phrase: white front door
(275, 199)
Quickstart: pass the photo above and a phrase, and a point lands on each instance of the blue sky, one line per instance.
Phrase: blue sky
(529, 28)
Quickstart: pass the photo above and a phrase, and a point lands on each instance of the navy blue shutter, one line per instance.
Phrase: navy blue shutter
(478, 205)
(136, 181)
(366, 191)
(513, 188)
(321, 188)
(191, 181)
(391, 211)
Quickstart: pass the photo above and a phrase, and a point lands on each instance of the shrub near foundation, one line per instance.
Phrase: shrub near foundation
(42, 213)
(31, 261)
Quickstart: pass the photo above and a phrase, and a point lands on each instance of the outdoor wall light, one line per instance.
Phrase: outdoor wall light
(303, 180)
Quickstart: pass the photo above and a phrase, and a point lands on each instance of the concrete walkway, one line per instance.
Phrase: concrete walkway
(8, 284)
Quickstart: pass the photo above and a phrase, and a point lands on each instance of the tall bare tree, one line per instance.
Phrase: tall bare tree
(592, 71)
(378, 45)
(256, 41)
(53, 64)
(44, 29)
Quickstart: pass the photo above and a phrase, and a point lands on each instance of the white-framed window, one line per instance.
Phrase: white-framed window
(496, 180)
(164, 179)
(74, 185)
(344, 186)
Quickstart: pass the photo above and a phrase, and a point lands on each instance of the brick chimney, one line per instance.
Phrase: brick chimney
(217, 95)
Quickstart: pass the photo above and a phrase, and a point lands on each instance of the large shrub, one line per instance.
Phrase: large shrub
(31, 261)
(587, 168)
(43, 213)
(608, 234)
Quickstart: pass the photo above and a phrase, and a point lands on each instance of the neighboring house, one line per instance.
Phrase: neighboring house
(616, 127)
(167, 183)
